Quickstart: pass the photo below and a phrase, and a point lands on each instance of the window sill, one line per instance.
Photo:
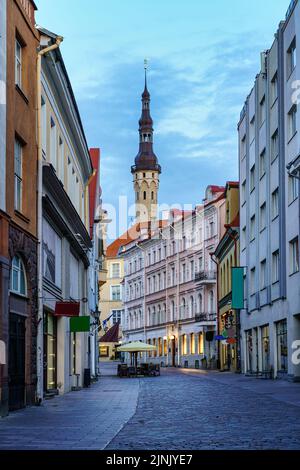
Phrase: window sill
(274, 102)
(22, 94)
(22, 296)
(292, 202)
(291, 138)
(22, 216)
(293, 274)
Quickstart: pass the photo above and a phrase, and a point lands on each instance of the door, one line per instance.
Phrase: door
(173, 352)
(265, 349)
(16, 362)
(50, 352)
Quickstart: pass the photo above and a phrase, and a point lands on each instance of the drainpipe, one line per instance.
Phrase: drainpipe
(41, 53)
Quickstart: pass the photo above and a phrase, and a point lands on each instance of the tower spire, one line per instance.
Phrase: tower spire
(146, 169)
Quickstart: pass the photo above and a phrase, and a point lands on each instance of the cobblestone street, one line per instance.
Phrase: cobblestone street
(182, 409)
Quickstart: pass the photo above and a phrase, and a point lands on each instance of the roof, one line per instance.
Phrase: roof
(95, 156)
(132, 234)
(112, 335)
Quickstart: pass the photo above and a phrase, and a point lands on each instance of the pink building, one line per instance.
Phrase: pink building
(170, 285)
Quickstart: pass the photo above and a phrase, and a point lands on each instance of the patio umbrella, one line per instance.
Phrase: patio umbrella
(135, 348)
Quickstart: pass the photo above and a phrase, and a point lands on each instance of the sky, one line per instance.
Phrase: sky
(203, 58)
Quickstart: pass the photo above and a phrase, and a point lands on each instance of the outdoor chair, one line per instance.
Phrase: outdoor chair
(131, 371)
(122, 370)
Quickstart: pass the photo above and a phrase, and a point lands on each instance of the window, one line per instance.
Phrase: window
(173, 276)
(183, 273)
(18, 63)
(291, 58)
(18, 163)
(293, 189)
(212, 229)
(18, 277)
(275, 203)
(244, 237)
(252, 228)
(275, 266)
(262, 110)
(44, 126)
(274, 146)
(252, 281)
(274, 88)
(252, 129)
(116, 316)
(192, 266)
(252, 178)
(243, 192)
(243, 147)
(53, 144)
(192, 340)
(137, 196)
(262, 163)
(74, 277)
(184, 344)
(263, 216)
(51, 255)
(263, 281)
(62, 159)
(294, 256)
(292, 121)
(200, 343)
(115, 292)
(115, 270)
(145, 195)
(282, 346)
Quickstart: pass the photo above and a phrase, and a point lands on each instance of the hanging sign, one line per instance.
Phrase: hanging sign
(67, 309)
(237, 276)
(219, 338)
(80, 324)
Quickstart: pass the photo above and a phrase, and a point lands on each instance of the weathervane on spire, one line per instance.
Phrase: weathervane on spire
(146, 65)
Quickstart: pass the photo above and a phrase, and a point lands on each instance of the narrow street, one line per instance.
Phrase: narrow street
(182, 409)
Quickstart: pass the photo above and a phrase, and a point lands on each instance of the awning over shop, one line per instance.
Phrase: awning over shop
(136, 346)
(67, 309)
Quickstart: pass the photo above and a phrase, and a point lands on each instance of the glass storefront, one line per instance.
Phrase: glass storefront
(282, 349)
(265, 348)
(50, 351)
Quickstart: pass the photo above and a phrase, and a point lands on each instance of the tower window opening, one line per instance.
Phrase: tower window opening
(144, 175)
(145, 195)
(137, 196)
(152, 195)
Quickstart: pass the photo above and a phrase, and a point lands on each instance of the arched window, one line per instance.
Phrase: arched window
(211, 301)
(152, 195)
(183, 307)
(164, 314)
(200, 304)
(191, 306)
(18, 277)
(154, 316)
(137, 196)
(145, 195)
(159, 315)
(172, 310)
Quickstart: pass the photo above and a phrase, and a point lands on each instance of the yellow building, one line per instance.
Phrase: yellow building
(111, 304)
(227, 255)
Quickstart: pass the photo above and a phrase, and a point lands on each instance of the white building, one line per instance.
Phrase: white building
(67, 255)
(269, 208)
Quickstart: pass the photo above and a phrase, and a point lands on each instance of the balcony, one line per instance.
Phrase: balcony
(206, 317)
(206, 277)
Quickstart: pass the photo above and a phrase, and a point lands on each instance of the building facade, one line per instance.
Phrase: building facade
(111, 300)
(18, 223)
(170, 285)
(67, 171)
(227, 257)
(269, 209)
